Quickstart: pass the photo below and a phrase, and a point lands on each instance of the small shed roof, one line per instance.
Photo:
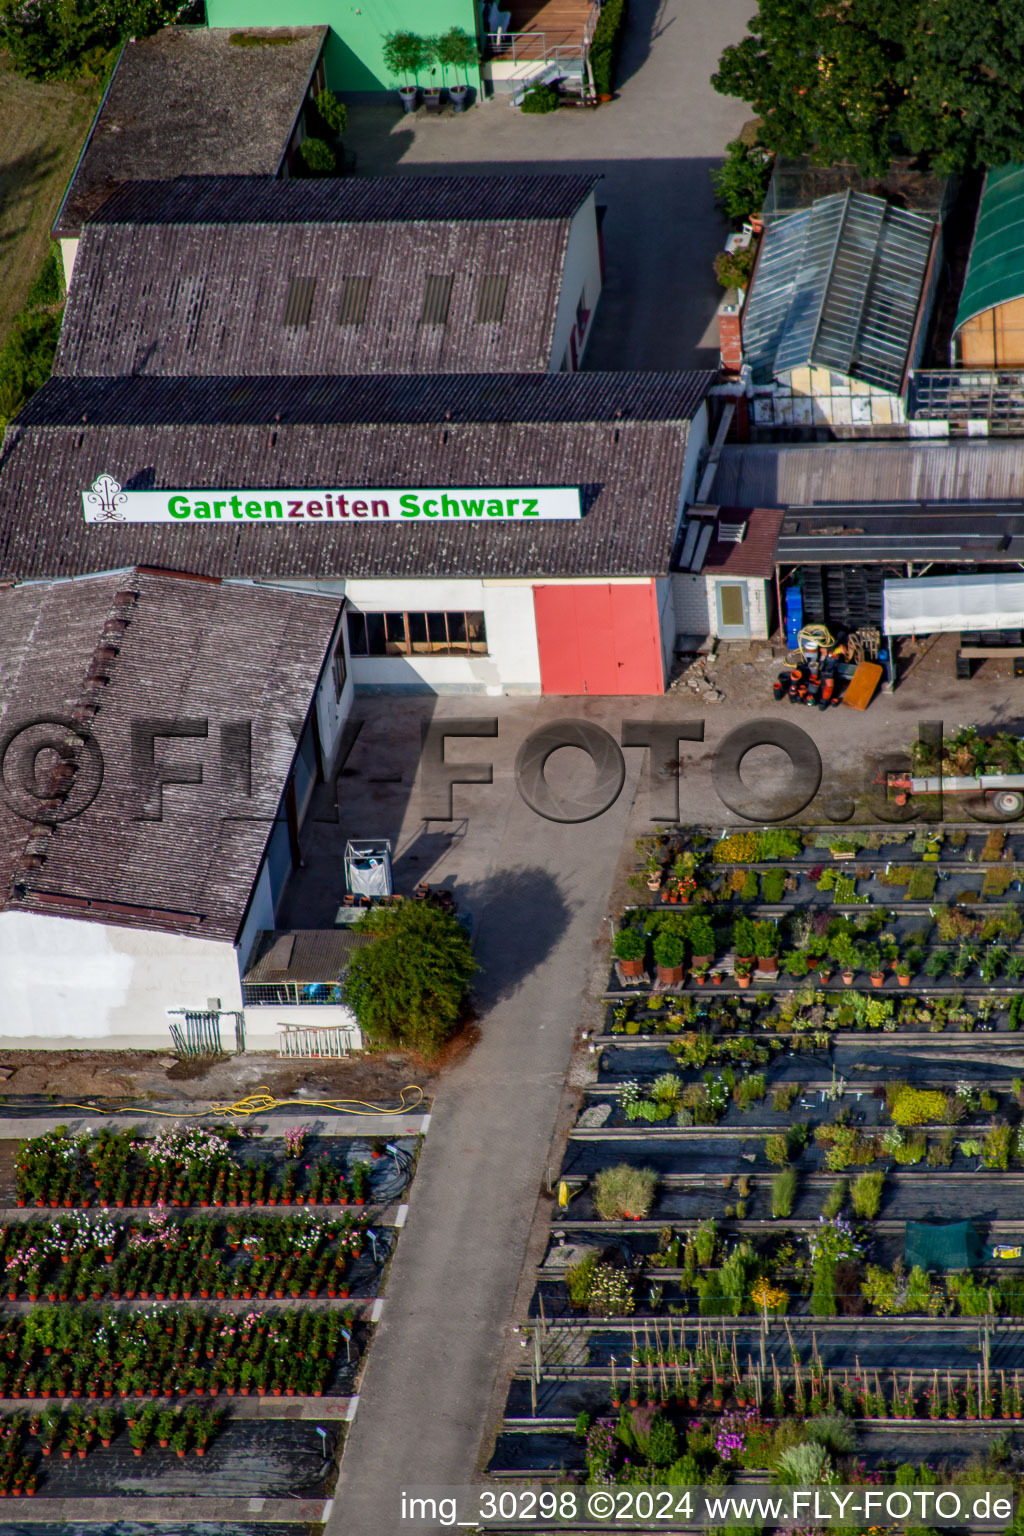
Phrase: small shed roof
(189, 100)
(995, 271)
(839, 286)
(305, 956)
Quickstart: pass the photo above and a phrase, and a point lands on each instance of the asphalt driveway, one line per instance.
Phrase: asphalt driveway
(654, 145)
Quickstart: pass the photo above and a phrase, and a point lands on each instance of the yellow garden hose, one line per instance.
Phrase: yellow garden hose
(262, 1102)
(821, 636)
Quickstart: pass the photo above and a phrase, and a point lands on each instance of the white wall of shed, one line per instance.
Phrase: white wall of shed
(72, 984)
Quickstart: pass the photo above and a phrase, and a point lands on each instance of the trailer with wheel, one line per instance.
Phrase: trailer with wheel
(1002, 794)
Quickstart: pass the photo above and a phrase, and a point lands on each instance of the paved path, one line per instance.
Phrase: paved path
(537, 892)
(110, 1512)
(252, 1406)
(320, 1123)
(654, 147)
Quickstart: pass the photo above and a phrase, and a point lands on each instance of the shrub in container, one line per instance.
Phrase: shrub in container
(630, 948)
(669, 952)
(766, 948)
(743, 938)
(702, 941)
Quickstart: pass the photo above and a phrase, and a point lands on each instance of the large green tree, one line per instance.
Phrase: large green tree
(408, 988)
(867, 80)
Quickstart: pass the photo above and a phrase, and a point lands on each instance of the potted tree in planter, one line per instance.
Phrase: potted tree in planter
(405, 53)
(766, 948)
(743, 971)
(743, 939)
(872, 963)
(702, 942)
(630, 949)
(846, 955)
(457, 49)
(669, 952)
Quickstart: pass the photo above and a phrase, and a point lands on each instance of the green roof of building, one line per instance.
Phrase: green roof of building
(995, 272)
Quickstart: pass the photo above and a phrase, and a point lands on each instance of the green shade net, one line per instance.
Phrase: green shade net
(942, 1245)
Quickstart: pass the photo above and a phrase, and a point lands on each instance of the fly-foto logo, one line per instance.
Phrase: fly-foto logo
(52, 769)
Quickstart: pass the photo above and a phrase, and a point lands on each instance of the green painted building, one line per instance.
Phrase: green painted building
(357, 31)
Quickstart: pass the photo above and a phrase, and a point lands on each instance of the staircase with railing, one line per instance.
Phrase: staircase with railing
(540, 44)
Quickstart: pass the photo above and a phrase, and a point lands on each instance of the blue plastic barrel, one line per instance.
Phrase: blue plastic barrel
(794, 616)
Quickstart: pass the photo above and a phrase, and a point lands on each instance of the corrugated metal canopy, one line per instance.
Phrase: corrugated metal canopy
(947, 604)
(995, 272)
(842, 474)
(838, 286)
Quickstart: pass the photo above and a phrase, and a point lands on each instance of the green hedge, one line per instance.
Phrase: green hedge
(543, 98)
(604, 50)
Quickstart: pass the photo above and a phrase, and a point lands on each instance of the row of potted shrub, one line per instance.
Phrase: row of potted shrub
(57, 1169)
(79, 1351)
(66, 1259)
(74, 1434)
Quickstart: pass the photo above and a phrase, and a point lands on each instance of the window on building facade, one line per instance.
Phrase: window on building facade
(299, 303)
(355, 296)
(436, 298)
(490, 305)
(417, 634)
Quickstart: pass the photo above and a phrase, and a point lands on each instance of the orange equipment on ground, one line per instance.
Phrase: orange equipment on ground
(861, 688)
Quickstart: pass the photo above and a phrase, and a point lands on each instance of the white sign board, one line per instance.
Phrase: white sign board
(106, 502)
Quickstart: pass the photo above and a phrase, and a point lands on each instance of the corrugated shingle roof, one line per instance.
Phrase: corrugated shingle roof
(309, 955)
(194, 294)
(190, 649)
(621, 437)
(838, 286)
(348, 200)
(187, 100)
(790, 475)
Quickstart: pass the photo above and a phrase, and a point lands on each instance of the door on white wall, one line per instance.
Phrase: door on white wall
(732, 610)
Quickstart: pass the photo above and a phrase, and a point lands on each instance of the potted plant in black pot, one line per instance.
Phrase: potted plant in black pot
(405, 53)
(455, 48)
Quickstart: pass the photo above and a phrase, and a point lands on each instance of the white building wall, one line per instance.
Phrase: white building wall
(332, 711)
(260, 918)
(70, 984)
(265, 1026)
(666, 621)
(757, 603)
(512, 663)
(581, 278)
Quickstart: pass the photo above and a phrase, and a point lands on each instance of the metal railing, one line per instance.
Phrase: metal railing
(960, 396)
(290, 994)
(529, 47)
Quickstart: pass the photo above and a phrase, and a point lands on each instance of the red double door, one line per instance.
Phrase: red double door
(599, 638)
